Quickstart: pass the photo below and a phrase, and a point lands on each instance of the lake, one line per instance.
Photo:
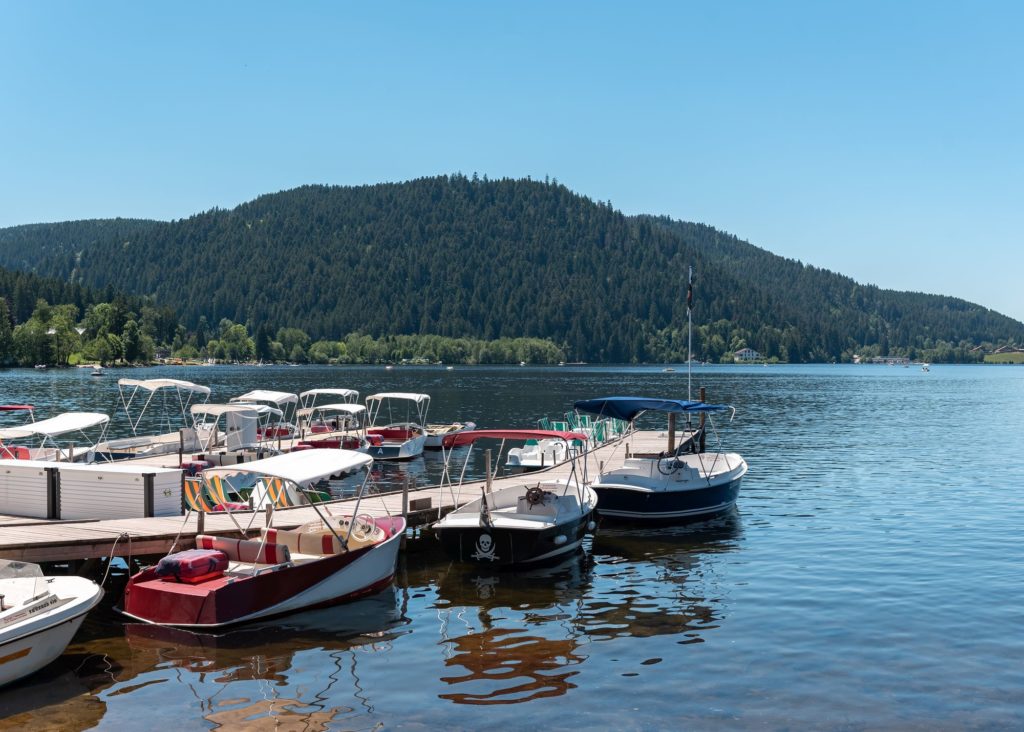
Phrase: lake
(871, 577)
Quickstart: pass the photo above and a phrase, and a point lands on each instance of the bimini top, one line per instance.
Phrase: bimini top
(345, 407)
(246, 409)
(464, 438)
(16, 407)
(627, 408)
(303, 468)
(59, 425)
(262, 395)
(348, 395)
(418, 398)
(155, 384)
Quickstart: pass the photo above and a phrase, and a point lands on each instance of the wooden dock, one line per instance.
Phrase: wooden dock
(39, 540)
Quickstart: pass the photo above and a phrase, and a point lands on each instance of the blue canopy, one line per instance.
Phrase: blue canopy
(627, 408)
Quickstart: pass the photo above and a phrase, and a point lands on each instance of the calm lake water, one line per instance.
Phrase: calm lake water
(871, 578)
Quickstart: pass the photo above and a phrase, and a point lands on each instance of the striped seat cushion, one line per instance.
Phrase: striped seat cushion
(242, 550)
(305, 541)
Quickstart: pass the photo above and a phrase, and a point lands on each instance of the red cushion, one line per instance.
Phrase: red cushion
(192, 565)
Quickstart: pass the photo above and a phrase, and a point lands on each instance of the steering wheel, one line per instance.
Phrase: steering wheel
(534, 495)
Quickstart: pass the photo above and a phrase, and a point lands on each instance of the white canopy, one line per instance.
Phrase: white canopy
(347, 408)
(263, 395)
(155, 384)
(418, 398)
(343, 393)
(304, 467)
(217, 410)
(59, 425)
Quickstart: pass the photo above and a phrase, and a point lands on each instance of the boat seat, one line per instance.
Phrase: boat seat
(244, 550)
(314, 538)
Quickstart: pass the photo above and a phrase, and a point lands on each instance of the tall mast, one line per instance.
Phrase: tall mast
(689, 333)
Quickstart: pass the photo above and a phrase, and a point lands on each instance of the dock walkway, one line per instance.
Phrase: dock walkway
(39, 540)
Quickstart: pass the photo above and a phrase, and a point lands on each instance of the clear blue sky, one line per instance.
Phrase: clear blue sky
(883, 140)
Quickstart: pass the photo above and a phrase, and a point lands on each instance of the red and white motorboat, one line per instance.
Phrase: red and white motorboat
(225, 581)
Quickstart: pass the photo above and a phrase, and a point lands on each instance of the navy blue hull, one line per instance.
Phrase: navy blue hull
(510, 547)
(633, 505)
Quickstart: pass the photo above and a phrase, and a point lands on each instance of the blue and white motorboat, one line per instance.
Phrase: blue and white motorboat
(681, 483)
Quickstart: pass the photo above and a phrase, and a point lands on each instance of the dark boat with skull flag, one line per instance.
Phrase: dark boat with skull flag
(529, 522)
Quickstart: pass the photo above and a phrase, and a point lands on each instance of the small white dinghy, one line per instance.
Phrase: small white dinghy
(38, 616)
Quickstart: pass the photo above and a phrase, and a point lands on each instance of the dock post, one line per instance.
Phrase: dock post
(181, 446)
(405, 498)
(52, 493)
(487, 467)
(405, 509)
(200, 522)
(671, 433)
(147, 494)
(268, 517)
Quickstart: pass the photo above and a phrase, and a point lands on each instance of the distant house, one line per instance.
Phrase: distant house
(746, 354)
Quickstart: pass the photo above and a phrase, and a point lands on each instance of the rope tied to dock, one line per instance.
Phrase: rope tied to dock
(113, 548)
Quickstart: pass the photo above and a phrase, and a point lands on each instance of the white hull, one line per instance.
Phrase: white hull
(398, 451)
(31, 644)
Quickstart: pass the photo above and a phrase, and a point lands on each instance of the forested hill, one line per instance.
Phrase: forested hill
(458, 257)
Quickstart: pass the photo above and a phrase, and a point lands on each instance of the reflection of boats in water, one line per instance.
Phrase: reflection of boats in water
(659, 581)
(503, 661)
(523, 641)
(54, 696)
(301, 671)
(366, 620)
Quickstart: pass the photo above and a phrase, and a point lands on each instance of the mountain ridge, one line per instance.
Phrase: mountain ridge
(470, 257)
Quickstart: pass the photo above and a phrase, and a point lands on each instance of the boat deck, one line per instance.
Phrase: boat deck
(40, 540)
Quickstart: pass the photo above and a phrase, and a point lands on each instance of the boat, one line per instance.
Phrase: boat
(48, 439)
(223, 429)
(335, 425)
(925, 366)
(397, 418)
(228, 581)
(683, 482)
(540, 452)
(285, 403)
(16, 452)
(310, 398)
(522, 524)
(160, 405)
(96, 371)
(438, 434)
(38, 616)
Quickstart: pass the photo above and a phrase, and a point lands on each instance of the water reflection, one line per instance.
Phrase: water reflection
(510, 637)
(505, 662)
(657, 581)
(305, 675)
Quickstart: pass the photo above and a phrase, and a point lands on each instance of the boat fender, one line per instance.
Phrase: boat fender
(560, 539)
(591, 525)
